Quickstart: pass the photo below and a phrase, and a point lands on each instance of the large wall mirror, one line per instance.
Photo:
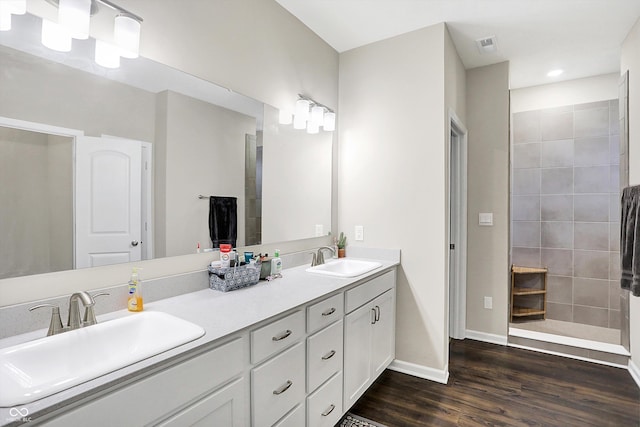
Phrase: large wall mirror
(195, 139)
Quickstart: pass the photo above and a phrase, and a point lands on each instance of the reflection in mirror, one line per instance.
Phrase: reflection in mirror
(205, 140)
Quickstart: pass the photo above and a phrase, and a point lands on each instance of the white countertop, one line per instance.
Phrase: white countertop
(220, 314)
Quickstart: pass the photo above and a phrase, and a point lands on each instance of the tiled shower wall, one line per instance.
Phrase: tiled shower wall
(565, 207)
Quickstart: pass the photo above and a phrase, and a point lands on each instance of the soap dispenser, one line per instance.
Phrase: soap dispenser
(134, 301)
(276, 264)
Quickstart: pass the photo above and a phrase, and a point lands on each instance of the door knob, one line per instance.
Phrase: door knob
(134, 243)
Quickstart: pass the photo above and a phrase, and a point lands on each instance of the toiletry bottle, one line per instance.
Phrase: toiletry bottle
(276, 264)
(225, 254)
(134, 301)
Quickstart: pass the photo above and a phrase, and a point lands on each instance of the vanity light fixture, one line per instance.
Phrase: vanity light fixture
(74, 20)
(8, 8)
(555, 73)
(310, 115)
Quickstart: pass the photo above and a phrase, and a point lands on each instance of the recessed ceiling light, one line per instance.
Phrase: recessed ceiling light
(555, 73)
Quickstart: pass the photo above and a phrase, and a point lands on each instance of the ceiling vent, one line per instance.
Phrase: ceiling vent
(487, 44)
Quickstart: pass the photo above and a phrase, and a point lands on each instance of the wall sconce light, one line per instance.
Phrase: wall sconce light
(74, 20)
(310, 115)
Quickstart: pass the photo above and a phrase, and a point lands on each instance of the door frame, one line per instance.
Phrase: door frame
(457, 286)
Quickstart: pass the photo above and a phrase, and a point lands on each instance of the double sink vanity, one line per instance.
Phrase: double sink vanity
(296, 351)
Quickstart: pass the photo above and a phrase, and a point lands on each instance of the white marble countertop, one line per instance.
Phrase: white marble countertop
(220, 314)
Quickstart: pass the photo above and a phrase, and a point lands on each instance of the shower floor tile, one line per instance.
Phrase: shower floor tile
(570, 329)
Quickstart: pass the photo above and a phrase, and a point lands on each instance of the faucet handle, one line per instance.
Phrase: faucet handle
(55, 325)
(89, 312)
(314, 260)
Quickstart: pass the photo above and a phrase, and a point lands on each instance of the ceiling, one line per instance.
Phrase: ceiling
(581, 37)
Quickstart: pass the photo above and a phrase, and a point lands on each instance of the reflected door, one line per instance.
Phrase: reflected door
(107, 201)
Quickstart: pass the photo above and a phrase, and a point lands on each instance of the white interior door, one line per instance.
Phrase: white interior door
(107, 201)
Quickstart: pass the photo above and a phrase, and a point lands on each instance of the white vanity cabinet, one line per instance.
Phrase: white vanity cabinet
(208, 389)
(369, 334)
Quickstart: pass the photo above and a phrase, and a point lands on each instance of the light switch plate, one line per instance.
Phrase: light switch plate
(359, 233)
(488, 303)
(485, 218)
(319, 230)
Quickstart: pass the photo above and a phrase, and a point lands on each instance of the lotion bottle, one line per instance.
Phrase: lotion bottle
(276, 264)
(134, 301)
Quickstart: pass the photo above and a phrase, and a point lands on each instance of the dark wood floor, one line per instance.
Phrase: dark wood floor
(493, 385)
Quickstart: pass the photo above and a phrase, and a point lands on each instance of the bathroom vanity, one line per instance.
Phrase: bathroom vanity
(297, 351)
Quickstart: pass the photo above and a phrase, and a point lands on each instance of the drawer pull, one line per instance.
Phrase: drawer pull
(329, 312)
(377, 313)
(329, 355)
(282, 336)
(283, 388)
(373, 318)
(329, 410)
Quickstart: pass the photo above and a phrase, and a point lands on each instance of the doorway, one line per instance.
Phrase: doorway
(457, 226)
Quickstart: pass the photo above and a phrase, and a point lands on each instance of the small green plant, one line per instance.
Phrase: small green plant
(342, 241)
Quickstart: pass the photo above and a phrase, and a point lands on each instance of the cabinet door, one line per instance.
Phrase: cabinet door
(225, 407)
(383, 344)
(357, 353)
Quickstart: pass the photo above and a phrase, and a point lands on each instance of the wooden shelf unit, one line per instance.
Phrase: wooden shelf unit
(518, 311)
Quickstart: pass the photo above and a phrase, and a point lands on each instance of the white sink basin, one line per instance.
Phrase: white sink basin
(345, 267)
(40, 368)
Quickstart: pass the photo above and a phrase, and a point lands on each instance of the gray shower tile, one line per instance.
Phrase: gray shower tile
(558, 261)
(556, 208)
(526, 155)
(591, 292)
(591, 316)
(591, 151)
(526, 234)
(557, 234)
(614, 319)
(591, 264)
(526, 181)
(527, 208)
(591, 236)
(591, 105)
(591, 179)
(614, 207)
(591, 207)
(560, 289)
(614, 149)
(525, 257)
(592, 122)
(556, 125)
(614, 295)
(526, 126)
(614, 178)
(557, 153)
(614, 236)
(562, 312)
(614, 124)
(614, 266)
(557, 181)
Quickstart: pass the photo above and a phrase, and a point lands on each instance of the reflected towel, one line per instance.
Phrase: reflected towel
(630, 239)
(223, 220)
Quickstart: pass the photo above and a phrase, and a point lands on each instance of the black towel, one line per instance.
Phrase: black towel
(630, 239)
(223, 220)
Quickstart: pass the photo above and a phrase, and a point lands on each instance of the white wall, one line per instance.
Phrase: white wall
(631, 61)
(488, 191)
(392, 175)
(253, 47)
(571, 92)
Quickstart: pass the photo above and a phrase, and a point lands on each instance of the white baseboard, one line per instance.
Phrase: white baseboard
(420, 371)
(483, 336)
(634, 370)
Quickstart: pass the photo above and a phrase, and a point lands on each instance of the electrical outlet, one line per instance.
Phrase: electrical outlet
(488, 303)
(319, 230)
(359, 232)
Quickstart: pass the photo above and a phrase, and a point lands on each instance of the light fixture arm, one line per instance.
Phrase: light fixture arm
(314, 102)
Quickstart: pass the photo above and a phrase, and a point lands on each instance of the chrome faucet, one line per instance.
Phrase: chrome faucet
(75, 321)
(319, 258)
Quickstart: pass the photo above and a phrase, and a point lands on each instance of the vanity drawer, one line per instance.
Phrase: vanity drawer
(277, 386)
(324, 355)
(295, 418)
(276, 336)
(324, 407)
(325, 312)
(364, 293)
